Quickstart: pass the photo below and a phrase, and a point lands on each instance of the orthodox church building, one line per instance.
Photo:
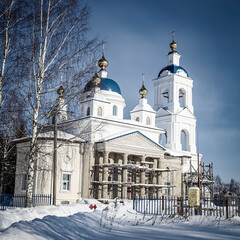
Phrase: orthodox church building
(102, 155)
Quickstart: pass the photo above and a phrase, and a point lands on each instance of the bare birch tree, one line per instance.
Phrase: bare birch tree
(11, 16)
(11, 126)
(59, 43)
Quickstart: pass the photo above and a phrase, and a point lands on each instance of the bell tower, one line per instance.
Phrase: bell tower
(173, 104)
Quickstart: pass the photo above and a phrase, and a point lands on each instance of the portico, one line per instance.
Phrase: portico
(136, 170)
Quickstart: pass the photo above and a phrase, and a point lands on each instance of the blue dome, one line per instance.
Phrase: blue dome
(105, 84)
(173, 69)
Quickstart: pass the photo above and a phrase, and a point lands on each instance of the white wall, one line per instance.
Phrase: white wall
(69, 160)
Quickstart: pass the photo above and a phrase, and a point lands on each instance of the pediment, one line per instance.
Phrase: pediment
(162, 112)
(186, 113)
(134, 142)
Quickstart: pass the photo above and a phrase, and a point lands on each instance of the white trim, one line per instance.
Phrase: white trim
(69, 181)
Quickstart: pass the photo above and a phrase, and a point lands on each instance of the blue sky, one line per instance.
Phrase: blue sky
(138, 33)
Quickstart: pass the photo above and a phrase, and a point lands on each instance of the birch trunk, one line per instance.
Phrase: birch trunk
(6, 47)
(30, 174)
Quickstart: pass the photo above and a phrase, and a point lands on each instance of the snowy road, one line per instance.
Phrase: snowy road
(121, 223)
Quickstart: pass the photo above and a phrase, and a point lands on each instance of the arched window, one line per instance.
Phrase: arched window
(148, 121)
(99, 111)
(163, 139)
(184, 140)
(114, 110)
(165, 98)
(88, 111)
(137, 119)
(182, 98)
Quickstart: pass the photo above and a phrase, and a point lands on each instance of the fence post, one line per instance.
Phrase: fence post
(139, 205)
(200, 205)
(4, 207)
(239, 207)
(144, 205)
(163, 203)
(227, 208)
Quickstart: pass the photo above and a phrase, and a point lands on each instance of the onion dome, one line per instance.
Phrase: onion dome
(173, 44)
(173, 69)
(61, 90)
(173, 60)
(103, 63)
(106, 84)
(96, 80)
(143, 91)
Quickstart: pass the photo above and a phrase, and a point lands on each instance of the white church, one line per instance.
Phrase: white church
(102, 155)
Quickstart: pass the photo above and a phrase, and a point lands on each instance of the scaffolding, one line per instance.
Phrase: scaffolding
(153, 181)
(205, 176)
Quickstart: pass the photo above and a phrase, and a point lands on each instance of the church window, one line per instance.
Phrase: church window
(182, 98)
(99, 112)
(165, 95)
(66, 181)
(163, 139)
(137, 119)
(114, 110)
(184, 140)
(24, 182)
(148, 121)
(88, 111)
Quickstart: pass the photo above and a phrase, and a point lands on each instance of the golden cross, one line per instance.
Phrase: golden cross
(142, 78)
(103, 46)
(173, 32)
(61, 75)
(96, 65)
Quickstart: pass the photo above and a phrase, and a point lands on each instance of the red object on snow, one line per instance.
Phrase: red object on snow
(92, 207)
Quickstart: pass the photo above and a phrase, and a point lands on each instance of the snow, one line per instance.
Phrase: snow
(50, 134)
(143, 106)
(60, 135)
(134, 166)
(176, 153)
(110, 221)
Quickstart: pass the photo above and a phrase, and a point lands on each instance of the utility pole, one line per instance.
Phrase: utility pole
(198, 162)
(55, 159)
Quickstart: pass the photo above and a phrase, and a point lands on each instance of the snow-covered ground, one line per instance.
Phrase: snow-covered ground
(77, 221)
